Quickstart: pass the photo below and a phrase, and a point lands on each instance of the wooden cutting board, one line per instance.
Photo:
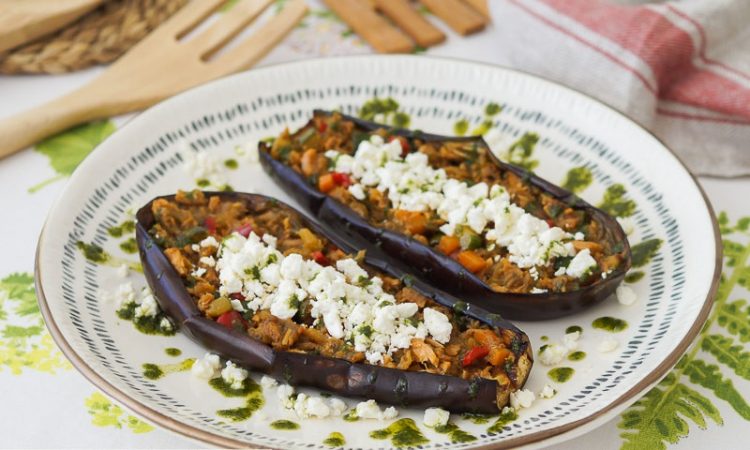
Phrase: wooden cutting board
(24, 20)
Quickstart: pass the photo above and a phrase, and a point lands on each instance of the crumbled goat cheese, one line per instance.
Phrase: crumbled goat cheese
(123, 270)
(434, 417)
(570, 340)
(206, 367)
(268, 382)
(165, 324)
(552, 354)
(522, 399)
(124, 296)
(607, 345)
(306, 407)
(234, 375)
(581, 264)
(627, 224)
(350, 304)
(207, 261)
(202, 165)
(209, 242)
(626, 296)
(371, 410)
(538, 291)
(337, 406)
(285, 393)
(199, 272)
(547, 392)
(412, 184)
(147, 307)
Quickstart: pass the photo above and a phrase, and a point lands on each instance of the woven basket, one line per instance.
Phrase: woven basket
(99, 37)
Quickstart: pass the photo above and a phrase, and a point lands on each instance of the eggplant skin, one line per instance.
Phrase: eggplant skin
(402, 388)
(436, 268)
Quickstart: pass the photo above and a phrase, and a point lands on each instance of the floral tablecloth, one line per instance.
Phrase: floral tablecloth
(702, 403)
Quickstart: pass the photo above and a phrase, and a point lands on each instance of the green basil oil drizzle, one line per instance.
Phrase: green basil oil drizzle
(561, 374)
(97, 255)
(157, 371)
(351, 416)
(335, 439)
(611, 324)
(504, 419)
(455, 434)
(478, 418)
(252, 392)
(286, 425)
(402, 433)
(124, 228)
(171, 351)
(146, 324)
(577, 356)
(129, 246)
(573, 329)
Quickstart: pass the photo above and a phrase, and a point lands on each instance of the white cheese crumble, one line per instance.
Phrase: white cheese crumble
(165, 324)
(570, 340)
(206, 367)
(124, 296)
(147, 307)
(412, 184)
(552, 354)
(581, 264)
(626, 296)
(123, 270)
(234, 375)
(434, 417)
(523, 398)
(337, 406)
(627, 224)
(547, 392)
(350, 304)
(608, 345)
(285, 393)
(202, 165)
(306, 407)
(268, 382)
(371, 410)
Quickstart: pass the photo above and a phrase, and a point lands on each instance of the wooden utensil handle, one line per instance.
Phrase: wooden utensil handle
(31, 126)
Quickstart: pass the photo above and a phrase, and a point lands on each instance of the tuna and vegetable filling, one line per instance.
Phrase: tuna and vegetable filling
(452, 196)
(265, 273)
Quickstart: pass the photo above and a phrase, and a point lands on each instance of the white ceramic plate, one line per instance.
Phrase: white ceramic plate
(144, 158)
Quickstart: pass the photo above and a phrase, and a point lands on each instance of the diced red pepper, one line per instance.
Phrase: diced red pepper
(342, 179)
(245, 230)
(322, 126)
(475, 354)
(237, 296)
(210, 223)
(320, 258)
(551, 223)
(232, 320)
(405, 147)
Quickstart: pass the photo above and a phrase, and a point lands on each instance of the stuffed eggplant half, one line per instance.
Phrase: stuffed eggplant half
(250, 278)
(487, 231)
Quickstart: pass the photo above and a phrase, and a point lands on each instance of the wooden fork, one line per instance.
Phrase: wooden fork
(158, 67)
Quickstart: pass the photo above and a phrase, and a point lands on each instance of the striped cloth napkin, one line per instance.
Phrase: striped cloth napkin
(680, 68)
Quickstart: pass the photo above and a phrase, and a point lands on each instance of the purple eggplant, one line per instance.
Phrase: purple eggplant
(429, 264)
(403, 388)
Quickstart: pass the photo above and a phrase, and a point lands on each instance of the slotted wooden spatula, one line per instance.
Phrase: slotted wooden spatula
(158, 67)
